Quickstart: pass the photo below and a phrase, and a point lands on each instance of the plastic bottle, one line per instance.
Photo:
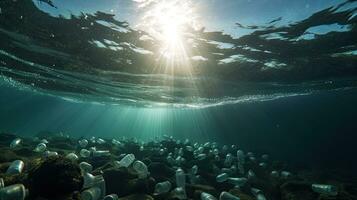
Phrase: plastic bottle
(238, 181)
(258, 194)
(241, 156)
(222, 177)
(207, 196)
(111, 197)
(85, 167)
(2, 184)
(180, 178)
(84, 153)
(13, 192)
(162, 187)
(285, 174)
(100, 153)
(91, 194)
(194, 169)
(83, 143)
(141, 169)
(227, 196)
(48, 154)
(179, 193)
(228, 160)
(94, 181)
(72, 156)
(16, 167)
(127, 160)
(40, 147)
(329, 190)
(15, 143)
(201, 156)
(274, 174)
(251, 174)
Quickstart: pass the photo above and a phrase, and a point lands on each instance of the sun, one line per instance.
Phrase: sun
(167, 22)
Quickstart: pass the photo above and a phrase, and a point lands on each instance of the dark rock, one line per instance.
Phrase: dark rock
(54, 178)
(160, 171)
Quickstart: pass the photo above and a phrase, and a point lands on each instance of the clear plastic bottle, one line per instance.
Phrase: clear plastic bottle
(222, 177)
(72, 157)
(48, 154)
(194, 169)
(85, 167)
(2, 184)
(84, 153)
(40, 148)
(329, 190)
(15, 143)
(180, 178)
(237, 181)
(251, 174)
(228, 160)
(285, 174)
(92, 193)
(141, 169)
(162, 187)
(201, 156)
(83, 143)
(100, 153)
(179, 193)
(111, 197)
(207, 196)
(16, 167)
(228, 196)
(13, 192)
(127, 160)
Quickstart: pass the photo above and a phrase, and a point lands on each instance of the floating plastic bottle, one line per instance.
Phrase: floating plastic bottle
(127, 160)
(91, 194)
(13, 192)
(40, 148)
(83, 143)
(85, 167)
(237, 181)
(222, 177)
(329, 190)
(100, 153)
(207, 196)
(180, 193)
(141, 169)
(2, 184)
(48, 154)
(16, 167)
(15, 143)
(72, 157)
(180, 178)
(228, 196)
(162, 187)
(111, 197)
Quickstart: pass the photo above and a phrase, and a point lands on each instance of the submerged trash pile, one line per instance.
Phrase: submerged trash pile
(55, 166)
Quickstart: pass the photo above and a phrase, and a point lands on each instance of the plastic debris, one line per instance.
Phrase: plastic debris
(227, 196)
(91, 194)
(16, 167)
(40, 148)
(222, 177)
(84, 153)
(13, 192)
(162, 187)
(141, 169)
(329, 190)
(207, 196)
(15, 143)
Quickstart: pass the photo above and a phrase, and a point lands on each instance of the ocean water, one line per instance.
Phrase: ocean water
(271, 77)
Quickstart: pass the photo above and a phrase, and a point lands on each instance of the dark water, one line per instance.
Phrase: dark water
(278, 89)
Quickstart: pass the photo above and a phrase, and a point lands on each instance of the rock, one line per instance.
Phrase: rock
(8, 156)
(24, 151)
(295, 190)
(54, 178)
(160, 171)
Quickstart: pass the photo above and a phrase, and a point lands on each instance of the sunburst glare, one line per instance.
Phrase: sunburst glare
(168, 22)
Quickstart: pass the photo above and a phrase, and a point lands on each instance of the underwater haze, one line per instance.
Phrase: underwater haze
(192, 76)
